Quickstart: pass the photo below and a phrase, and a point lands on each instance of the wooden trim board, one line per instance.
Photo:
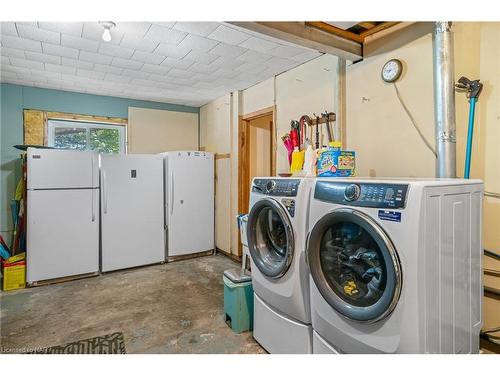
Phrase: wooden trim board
(86, 118)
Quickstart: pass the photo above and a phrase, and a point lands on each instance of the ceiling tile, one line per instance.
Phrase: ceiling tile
(107, 68)
(77, 63)
(165, 35)
(202, 68)
(228, 35)
(306, 56)
(114, 50)
(135, 73)
(95, 57)
(198, 28)
(70, 28)
(180, 73)
(12, 52)
(56, 50)
(35, 33)
(258, 44)
(15, 69)
(228, 50)
(41, 57)
(90, 74)
(150, 58)
(133, 28)
(79, 43)
(198, 43)
(127, 64)
(60, 68)
(285, 51)
(279, 63)
(21, 43)
(94, 31)
(172, 50)
(27, 23)
(176, 63)
(26, 63)
(155, 69)
(139, 43)
(8, 28)
(202, 57)
(252, 68)
(224, 62)
(165, 24)
(6, 75)
(254, 56)
(225, 73)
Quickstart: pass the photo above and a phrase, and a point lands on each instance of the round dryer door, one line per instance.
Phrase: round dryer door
(270, 238)
(354, 265)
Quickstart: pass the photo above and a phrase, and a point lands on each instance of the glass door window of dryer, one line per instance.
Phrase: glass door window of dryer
(355, 267)
(270, 238)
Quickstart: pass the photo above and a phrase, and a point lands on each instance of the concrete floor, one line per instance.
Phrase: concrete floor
(169, 308)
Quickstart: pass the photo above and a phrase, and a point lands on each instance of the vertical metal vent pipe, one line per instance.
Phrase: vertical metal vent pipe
(444, 100)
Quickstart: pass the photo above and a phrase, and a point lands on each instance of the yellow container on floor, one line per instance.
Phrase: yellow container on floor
(14, 272)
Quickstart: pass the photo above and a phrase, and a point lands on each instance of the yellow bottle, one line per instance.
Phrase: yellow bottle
(297, 160)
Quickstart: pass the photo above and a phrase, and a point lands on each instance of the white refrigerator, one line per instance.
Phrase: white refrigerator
(189, 202)
(62, 214)
(132, 224)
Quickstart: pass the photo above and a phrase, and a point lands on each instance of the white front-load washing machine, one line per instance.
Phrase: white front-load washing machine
(276, 233)
(395, 265)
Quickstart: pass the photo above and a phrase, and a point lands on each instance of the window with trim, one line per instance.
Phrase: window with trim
(86, 136)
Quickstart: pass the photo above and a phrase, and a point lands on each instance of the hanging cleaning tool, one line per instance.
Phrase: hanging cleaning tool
(326, 117)
(287, 141)
(317, 131)
(473, 90)
(304, 122)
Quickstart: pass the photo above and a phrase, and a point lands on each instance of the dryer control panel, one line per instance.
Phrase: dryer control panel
(362, 194)
(276, 187)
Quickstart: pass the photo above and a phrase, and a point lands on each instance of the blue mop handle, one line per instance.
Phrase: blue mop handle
(470, 132)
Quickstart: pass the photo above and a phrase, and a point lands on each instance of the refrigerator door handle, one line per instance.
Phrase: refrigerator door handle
(93, 204)
(171, 193)
(104, 192)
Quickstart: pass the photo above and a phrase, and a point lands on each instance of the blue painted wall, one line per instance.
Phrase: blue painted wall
(13, 99)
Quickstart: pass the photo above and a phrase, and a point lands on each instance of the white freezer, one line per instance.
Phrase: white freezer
(62, 214)
(189, 202)
(59, 169)
(132, 228)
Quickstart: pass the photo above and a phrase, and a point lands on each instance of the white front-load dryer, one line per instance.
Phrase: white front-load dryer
(395, 265)
(276, 233)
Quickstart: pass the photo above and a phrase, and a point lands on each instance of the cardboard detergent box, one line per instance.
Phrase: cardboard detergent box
(334, 162)
(14, 272)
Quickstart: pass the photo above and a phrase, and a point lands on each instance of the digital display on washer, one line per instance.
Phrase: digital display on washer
(276, 187)
(362, 194)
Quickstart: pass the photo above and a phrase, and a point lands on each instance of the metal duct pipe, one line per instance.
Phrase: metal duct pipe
(444, 100)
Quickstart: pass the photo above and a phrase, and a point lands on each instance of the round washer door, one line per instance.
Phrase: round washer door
(354, 265)
(270, 238)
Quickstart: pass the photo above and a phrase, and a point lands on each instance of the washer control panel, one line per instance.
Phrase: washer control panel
(277, 188)
(363, 194)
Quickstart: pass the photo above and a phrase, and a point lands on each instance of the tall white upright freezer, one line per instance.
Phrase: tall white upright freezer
(132, 228)
(189, 202)
(62, 213)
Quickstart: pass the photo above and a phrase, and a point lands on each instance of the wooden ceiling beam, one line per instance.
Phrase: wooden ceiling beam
(307, 36)
(378, 28)
(336, 30)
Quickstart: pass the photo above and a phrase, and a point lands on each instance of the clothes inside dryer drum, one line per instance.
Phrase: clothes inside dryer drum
(353, 264)
(271, 231)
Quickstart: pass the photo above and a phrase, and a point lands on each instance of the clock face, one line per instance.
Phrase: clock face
(392, 70)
